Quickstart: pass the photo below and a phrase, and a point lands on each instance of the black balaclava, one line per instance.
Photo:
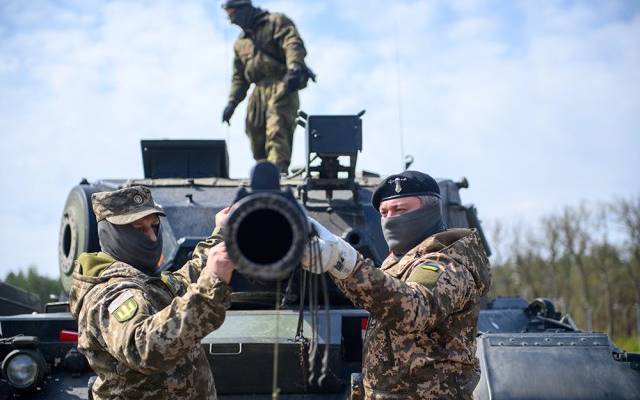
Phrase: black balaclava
(245, 17)
(406, 231)
(131, 246)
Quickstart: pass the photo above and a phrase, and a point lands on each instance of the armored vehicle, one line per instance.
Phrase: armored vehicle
(14, 300)
(527, 350)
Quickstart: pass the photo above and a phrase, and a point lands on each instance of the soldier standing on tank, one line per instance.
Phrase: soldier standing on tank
(269, 53)
(423, 301)
(140, 329)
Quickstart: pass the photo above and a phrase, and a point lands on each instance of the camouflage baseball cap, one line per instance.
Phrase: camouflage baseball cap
(124, 206)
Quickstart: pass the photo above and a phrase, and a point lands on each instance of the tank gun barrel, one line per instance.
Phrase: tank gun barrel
(267, 229)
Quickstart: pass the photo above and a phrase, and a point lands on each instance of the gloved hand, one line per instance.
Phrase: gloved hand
(228, 112)
(293, 79)
(336, 256)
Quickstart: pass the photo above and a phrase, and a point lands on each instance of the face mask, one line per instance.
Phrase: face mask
(243, 17)
(406, 231)
(129, 245)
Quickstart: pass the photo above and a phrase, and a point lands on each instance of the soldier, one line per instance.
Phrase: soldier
(270, 54)
(139, 329)
(423, 301)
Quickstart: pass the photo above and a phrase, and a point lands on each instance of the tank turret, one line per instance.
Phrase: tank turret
(527, 350)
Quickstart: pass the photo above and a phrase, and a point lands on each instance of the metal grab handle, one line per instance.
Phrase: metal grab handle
(225, 353)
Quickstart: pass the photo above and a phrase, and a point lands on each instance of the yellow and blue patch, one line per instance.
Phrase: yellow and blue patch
(431, 266)
(426, 273)
(171, 283)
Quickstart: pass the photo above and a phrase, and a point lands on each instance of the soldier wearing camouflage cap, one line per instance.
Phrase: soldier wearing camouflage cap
(141, 329)
(269, 54)
(423, 301)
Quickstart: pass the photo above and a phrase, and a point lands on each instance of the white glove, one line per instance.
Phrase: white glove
(335, 256)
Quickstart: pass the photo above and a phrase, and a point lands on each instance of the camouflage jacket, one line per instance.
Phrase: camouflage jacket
(277, 36)
(141, 333)
(420, 342)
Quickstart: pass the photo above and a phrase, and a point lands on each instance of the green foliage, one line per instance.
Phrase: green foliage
(586, 259)
(629, 344)
(31, 281)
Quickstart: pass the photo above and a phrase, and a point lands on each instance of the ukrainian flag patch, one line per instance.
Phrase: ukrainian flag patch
(427, 273)
(431, 266)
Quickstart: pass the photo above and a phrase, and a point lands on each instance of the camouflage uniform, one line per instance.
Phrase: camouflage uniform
(420, 342)
(271, 113)
(141, 333)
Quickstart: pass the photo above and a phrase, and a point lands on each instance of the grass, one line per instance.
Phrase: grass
(629, 344)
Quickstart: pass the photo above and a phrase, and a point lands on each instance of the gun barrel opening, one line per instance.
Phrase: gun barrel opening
(264, 236)
(66, 240)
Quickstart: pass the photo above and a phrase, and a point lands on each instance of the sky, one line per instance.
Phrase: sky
(537, 103)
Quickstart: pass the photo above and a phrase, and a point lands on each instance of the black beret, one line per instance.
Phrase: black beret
(408, 183)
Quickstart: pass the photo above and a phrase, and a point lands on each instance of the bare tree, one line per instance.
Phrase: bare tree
(520, 261)
(604, 256)
(586, 258)
(559, 284)
(628, 214)
(575, 237)
(496, 233)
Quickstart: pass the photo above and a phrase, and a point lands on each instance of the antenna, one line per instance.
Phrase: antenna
(227, 75)
(399, 95)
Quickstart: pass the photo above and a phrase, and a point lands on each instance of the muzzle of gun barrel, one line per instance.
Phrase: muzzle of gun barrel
(266, 234)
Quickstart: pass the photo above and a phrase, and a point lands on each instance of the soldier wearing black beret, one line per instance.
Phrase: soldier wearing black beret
(405, 184)
(424, 299)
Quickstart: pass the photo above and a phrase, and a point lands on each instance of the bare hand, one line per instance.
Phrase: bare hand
(221, 217)
(219, 264)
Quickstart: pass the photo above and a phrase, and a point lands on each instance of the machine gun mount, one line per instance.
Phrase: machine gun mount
(329, 137)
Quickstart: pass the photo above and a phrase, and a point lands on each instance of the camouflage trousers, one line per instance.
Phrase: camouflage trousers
(271, 121)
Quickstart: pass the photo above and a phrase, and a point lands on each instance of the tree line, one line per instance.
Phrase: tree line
(585, 258)
(47, 289)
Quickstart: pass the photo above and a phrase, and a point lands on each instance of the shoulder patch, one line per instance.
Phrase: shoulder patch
(124, 307)
(431, 266)
(426, 273)
(171, 283)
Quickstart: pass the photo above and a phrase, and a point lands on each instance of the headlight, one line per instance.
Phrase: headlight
(24, 369)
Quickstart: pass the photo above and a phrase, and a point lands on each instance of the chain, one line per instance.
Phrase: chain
(311, 283)
(304, 343)
(275, 390)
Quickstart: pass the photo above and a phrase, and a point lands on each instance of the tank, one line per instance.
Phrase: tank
(527, 350)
